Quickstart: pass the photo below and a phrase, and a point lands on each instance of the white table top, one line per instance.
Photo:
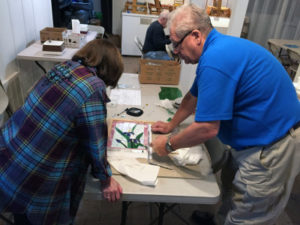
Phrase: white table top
(34, 52)
(169, 190)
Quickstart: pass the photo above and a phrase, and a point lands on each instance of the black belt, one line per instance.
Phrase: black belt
(297, 125)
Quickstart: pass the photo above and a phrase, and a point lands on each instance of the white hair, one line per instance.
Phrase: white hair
(164, 14)
(187, 18)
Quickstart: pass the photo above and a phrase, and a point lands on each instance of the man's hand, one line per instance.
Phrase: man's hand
(159, 145)
(111, 190)
(161, 127)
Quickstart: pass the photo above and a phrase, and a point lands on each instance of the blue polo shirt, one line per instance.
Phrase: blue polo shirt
(245, 87)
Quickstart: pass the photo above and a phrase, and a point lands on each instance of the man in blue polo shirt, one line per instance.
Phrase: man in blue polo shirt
(244, 96)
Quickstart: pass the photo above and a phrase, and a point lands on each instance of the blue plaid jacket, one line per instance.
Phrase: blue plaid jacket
(48, 144)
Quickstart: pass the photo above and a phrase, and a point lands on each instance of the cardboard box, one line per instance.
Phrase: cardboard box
(52, 33)
(159, 72)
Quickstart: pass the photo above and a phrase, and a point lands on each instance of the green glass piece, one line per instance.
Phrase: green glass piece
(170, 93)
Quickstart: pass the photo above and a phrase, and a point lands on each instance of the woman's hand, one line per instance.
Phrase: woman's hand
(161, 127)
(111, 190)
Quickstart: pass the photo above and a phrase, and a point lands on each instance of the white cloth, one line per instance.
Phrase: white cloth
(187, 156)
(166, 103)
(143, 173)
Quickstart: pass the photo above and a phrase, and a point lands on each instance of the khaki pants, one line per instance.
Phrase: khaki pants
(257, 182)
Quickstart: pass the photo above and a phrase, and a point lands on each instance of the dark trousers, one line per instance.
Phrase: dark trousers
(21, 219)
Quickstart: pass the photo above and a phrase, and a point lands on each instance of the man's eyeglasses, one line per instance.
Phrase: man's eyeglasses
(176, 44)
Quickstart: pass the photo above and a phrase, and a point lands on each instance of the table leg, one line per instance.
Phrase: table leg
(151, 211)
(177, 214)
(161, 213)
(125, 205)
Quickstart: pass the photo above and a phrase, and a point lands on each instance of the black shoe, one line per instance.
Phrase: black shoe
(203, 218)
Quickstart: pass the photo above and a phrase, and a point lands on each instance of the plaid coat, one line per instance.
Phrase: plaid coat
(48, 144)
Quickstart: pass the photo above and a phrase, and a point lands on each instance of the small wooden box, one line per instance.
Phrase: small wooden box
(53, 46)
(52, 33)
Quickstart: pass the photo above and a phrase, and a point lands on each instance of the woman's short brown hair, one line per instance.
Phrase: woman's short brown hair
(105, 56)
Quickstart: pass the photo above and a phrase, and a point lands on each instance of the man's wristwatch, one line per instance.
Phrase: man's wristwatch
(169, 147)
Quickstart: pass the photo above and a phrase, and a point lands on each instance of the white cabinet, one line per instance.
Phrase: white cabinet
(134, 25)
(220, 23)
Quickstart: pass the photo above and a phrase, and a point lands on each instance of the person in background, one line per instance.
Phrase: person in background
(243, 95)
(47, 145)
(156, 40)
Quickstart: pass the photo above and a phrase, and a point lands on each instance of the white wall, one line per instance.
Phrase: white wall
(20, 22)
(117, 8)
(238, 12)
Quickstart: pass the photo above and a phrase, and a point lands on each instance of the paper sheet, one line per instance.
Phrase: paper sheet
(129, 81)
(125, 97)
